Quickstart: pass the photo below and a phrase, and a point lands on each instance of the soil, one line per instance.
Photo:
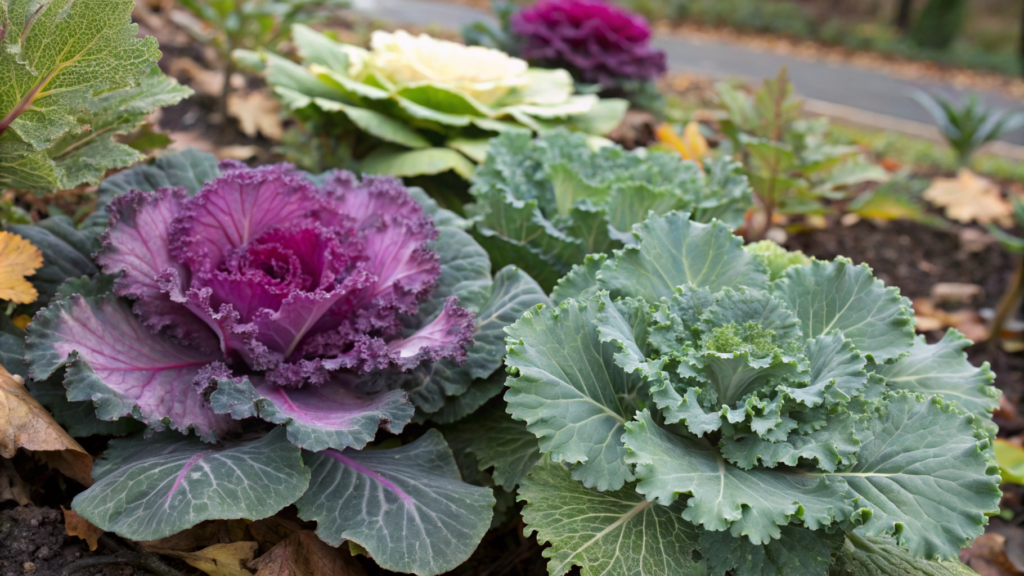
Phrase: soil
(34, 542)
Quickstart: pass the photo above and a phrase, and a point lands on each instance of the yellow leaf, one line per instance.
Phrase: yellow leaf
(303, 554)
(970, 198)
(24, 423)
(18, 258)
(1011, 461)
(21, 320)
(692, 145)
(217, 560)
(75, 525)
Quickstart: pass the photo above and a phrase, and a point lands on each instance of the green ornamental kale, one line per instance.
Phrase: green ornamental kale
(694, 414)
(545, 203)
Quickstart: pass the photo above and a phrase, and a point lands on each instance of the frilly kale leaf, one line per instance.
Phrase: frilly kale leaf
(781, 406)
(545, 204)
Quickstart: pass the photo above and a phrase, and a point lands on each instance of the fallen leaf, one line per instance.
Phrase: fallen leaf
(956, 293)
(257, 113)
(303, 554)
(201, 79)
(21, 320)
(691, 146)
(200, 536)
(75, 525)
(236, 152)
(189, 139)
(219, 559)
(24, 423)
(12, 487)
(970, 198)
(269, 532)
(987, 556)
(18, 259)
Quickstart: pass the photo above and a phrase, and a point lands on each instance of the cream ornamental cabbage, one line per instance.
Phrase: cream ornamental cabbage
(482, 73)
(416, 105)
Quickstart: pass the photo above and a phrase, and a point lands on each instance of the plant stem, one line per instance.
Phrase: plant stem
(1008, 304)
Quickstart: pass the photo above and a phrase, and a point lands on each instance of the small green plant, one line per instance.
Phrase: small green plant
(969, 125)
(1014, 294)
(250, 25)
(787, 158)
(939, 23)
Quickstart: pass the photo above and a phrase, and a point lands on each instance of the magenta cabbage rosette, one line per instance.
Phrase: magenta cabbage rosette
(597, 42)
(233, 299)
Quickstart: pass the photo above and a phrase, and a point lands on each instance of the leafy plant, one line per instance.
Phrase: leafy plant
(75, 76)
(791, 166)
(969, 125)
(250, 25)
(414, 105)
(773, 414)
(264, 324)
(498, 38)
(939, 23)
(545, 203)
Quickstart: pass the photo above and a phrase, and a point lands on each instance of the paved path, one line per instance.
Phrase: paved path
(834, 89)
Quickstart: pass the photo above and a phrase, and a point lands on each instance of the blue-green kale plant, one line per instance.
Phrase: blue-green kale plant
(545, 203)
(690, 406)
(264, 325)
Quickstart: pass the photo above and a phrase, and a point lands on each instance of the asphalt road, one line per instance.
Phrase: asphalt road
(835, 83)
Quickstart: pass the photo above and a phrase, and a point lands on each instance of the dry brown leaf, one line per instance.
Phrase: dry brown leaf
(219, 559)
(269, 532)
(987, 556)
(24, 423)
(18, 259)
(201, 79)
(970, 198)
(12, 487)
(75, 525)
(303, 554)
(257, 113)
(201, 536)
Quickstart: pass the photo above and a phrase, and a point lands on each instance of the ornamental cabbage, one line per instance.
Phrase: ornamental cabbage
(597, 42)
(544, 204)
(283, 319)
(414, 105)
(692, 415)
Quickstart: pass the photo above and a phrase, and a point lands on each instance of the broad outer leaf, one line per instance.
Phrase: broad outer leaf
(497, 441)
(942, 368)
(150, 488)
(923, 476)
(513, 293)
(605, 532)
(799, 551)
(570, 392)
(189, 168)
(78, 418)
(316, 417)
(867, 556)
(458, 407)
(25, 424)
(581, 282)
(839, 295)
(752, 503)
(303, 554)
(408, 506)
(122, 367)
(674, 251)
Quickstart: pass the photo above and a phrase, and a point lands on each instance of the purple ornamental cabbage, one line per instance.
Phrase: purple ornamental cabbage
(596, 42)
(264, 276)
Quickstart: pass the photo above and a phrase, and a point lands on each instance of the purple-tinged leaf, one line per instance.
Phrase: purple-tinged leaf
(122, 367)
